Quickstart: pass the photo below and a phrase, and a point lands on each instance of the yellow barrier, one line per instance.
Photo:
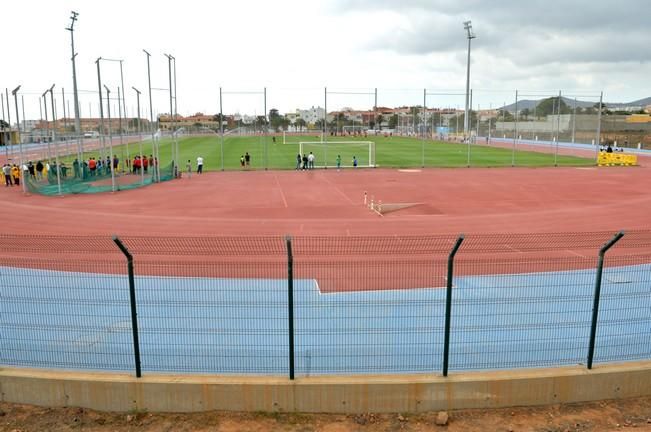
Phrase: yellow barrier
(616, 159)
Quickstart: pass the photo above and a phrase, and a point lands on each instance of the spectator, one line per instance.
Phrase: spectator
(39, 170)
(310, 160)
(6, 170)
(15, 172)
(247, 159)
(199, 165)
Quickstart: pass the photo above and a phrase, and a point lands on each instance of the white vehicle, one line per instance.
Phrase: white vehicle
(91, 134)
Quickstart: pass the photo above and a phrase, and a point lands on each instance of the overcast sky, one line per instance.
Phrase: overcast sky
(296, 48)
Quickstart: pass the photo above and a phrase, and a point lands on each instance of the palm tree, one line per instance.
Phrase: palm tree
(378, 121)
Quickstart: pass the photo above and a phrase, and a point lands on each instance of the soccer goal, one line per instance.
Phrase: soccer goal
(353, 129)
(327, 153)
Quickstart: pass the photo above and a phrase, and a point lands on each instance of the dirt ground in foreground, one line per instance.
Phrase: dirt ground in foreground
(616, 415)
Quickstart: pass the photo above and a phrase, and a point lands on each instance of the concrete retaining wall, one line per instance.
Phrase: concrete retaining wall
(408, 393)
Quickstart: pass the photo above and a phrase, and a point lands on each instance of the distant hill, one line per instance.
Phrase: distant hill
(531, 104)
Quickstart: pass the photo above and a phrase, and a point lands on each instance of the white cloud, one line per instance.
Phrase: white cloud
(295, 49)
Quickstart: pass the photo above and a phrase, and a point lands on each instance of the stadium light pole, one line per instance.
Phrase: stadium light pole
(71, 29)
(154, 145)
(121, 103)
(467, 25)
(9, 117)
(47, 126)
(142, 172)
(170, 58)
(56, 151)
(2, 102)
(101, 107)
(14, 92)
(108, 106)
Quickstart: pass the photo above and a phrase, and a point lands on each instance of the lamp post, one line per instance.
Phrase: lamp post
(154, 145)
(142, 172)
(9, 113)
(71, 29)
(108, 106)
(47, 126)
(14, 92)
(175, 149)
(101, 107)
(467, 25)
(121, 102)
(56, 152)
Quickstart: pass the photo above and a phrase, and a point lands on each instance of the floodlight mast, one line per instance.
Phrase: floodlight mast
(14, 92)
(175, 150)
(71, 29)
(151, 122)
(467, 25)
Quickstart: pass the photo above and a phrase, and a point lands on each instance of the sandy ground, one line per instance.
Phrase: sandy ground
(630, 414)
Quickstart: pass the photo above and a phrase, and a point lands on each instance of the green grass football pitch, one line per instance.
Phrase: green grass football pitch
(399, 152)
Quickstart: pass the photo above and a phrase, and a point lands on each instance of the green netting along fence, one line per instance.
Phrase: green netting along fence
(81, 180)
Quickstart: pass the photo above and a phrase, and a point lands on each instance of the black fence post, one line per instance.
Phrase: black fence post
(132, 300)
(290, 303)
(597, 294)
(448, 304)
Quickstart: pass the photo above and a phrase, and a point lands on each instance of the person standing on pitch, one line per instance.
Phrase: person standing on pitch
(298, 161)
(310, 160)
(199, 165)
(354, 162)
(6, 170)
(188, 168)
(247, 158)
(338, 162)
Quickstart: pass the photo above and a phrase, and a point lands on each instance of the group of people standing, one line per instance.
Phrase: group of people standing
(141, 164)
(12, 174)
(306, 162)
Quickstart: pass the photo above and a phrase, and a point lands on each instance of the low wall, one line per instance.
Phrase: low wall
(340, 394)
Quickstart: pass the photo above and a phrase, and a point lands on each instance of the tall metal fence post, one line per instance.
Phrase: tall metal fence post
(597, 294)
(290, 304)
(132, 300)
(448, 304)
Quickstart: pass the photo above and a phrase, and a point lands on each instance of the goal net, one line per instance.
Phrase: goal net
(305, 135)
(327, 153)
(352, 129)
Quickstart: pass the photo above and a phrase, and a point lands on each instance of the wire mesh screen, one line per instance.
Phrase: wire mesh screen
(367, 316)
(75, 317)
(360, 304)
(194, 319)
(514, 318)
(624, 330)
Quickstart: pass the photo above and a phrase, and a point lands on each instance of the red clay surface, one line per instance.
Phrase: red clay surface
(330, 202)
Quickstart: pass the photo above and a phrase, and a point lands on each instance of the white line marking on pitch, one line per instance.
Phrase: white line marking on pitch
(338, 190)
(576, 253)
(282, 194)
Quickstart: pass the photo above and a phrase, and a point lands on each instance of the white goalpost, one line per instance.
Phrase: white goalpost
(327, 153)
(354, 128)
(287, 138)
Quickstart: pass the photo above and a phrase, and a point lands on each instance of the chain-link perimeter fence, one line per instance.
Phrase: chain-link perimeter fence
(324, 305)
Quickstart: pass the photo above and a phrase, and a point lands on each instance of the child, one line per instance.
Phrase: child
(188, 168)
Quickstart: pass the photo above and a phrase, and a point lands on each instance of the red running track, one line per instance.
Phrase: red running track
(330, 202)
